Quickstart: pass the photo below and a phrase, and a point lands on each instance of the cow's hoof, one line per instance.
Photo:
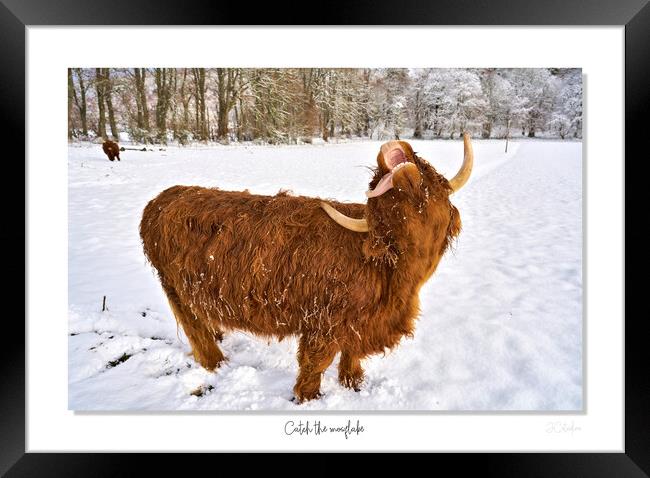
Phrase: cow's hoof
(352, 382)
(306, 397)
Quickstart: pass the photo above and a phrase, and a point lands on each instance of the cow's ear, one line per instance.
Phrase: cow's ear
(455, 223)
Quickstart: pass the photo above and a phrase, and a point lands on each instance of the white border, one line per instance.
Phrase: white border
(599, 51)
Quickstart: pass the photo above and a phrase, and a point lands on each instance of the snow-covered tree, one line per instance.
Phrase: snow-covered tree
(389, 105)
(507, 106)
(539, 88)
(567, 115)
(439, 102)
(293, 104)
(467, 100)
(417, 100)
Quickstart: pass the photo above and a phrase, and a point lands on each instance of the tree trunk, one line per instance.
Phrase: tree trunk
(197, 120)
(367, 72)
(162, 103)
(578, 129)
(185, 99)
(222, 124)
(172, 101)
(140, 75)
(437, 124)
(222, 111)
(226, 98)
(109, 104)
(143, 95)
(243, 122)
(202, 111)
(209, 132)
(139, 119)
(487, 77)
(531, 128)
(487, 130)
(81, 103)
(325, 121)
(101, 121)
(531, 131)
(70, 100)
(199, 92)
(417, 132)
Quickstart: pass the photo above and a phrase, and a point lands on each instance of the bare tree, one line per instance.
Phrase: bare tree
(139, 75)
(108, 92)
(185, 99)
(163, 92)
(181, 97)
(311, 113)
(487, 77)
(227, 79)
(99, 87)
(70, 101)
(199, 101)
(291, 104)
(80, 100)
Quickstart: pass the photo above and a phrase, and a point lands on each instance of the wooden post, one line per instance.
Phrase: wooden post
(104, 304)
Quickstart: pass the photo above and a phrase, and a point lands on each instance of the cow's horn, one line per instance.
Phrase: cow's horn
(356, 225)
(462, 176)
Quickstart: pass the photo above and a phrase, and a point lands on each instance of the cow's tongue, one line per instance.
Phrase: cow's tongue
(384, 184)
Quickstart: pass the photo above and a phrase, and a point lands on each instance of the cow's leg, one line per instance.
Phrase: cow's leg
(202, 335)
(314, 356)
(350, 371)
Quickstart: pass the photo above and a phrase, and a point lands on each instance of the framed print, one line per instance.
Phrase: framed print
(293, 300)
(335, 238)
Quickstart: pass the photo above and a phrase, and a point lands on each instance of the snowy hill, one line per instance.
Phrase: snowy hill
(501, 322)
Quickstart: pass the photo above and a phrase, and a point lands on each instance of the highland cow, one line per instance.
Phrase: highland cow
(342, 277)
(112, 150)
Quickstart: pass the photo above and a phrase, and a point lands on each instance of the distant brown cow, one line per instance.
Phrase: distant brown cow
(112, 150)
(281, 265)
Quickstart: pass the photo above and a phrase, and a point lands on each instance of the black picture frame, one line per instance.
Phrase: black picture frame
(15, 15)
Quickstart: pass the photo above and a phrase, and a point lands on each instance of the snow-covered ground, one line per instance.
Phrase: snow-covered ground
(501, 322)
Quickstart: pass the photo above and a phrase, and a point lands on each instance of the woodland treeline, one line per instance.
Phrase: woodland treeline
(288, 105)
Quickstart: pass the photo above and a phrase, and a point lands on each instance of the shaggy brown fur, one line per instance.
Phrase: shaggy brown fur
(276, 266)
(112, 150)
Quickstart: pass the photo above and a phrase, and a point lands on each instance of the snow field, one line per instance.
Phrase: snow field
(501, 321)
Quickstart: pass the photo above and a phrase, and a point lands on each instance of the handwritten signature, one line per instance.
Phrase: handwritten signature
(561, 426)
